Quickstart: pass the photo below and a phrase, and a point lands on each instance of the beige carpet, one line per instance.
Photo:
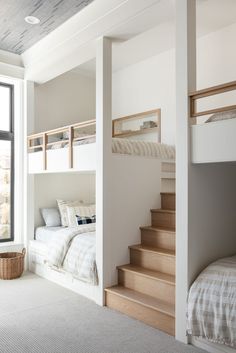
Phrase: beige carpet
(37, 316)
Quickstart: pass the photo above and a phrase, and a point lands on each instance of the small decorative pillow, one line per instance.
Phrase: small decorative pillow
(231, 114)
(81, 215)
(85, 220)
(63, 211)
(51, 217)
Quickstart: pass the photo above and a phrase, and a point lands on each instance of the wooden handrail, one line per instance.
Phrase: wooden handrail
(207, 92)
(70, 140)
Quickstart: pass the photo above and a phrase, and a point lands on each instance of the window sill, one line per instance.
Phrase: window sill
(11, 244)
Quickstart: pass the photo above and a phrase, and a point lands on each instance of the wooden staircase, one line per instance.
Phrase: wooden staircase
(146, 287)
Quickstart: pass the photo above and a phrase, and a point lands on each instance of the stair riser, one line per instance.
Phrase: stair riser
(168, 185)
(155, 288)
(168, 167)
(158, 239)
(153, 261)
(140, 312)
(168, 202)
(163, 219)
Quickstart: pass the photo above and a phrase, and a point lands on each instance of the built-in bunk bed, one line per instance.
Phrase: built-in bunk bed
(64, 249)
(214, 140)
(211, 306)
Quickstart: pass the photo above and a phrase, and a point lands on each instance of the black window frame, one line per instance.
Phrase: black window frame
(9, 136)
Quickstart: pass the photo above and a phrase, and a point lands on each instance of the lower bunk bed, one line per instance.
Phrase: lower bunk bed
(211, 312)
(66, 256)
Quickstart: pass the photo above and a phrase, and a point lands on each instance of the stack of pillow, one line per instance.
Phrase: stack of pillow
(69, 214)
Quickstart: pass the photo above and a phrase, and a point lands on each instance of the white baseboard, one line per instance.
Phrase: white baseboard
(210, 346)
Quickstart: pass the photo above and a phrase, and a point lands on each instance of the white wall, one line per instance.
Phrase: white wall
(68, 99)
(150, 84)
(67, 186)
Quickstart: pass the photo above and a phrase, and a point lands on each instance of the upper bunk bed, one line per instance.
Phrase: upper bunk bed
(213, 140)
(73, 148)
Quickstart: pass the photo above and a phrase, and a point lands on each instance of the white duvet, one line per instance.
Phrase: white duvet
(74, 250)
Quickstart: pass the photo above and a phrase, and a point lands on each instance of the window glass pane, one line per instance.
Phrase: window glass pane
(4, 108)
(5, 189)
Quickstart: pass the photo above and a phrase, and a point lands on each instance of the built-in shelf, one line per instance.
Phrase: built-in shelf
(137, 132)
(138, 124)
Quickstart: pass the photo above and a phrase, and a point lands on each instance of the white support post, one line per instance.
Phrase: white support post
(185, 82)
(28, 178)
(104, 154)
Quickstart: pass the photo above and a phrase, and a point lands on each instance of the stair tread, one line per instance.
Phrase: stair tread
(141, 247)
(161, 210)
(149, 273)
(143, 299)
(167, 193)
(163, 229)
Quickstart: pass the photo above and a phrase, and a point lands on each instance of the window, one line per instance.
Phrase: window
(6, 162)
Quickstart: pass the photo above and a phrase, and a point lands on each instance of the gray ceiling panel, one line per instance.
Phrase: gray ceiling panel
(16, 35)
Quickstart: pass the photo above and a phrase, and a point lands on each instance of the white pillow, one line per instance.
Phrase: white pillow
(222, 116)
(81, 211)
(51, 217)
(62, 204)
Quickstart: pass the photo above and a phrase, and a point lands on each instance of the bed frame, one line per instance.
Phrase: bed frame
(45, 159)
(212, 142)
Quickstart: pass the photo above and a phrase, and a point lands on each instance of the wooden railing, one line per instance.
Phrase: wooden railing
(211, 91)
(43, 137)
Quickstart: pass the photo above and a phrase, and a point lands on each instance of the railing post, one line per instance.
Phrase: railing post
(71, 137)
(45, 141)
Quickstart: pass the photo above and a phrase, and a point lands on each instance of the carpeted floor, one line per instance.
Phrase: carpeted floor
(37, 316)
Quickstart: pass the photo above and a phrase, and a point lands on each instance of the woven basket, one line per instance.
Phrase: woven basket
(11, 264)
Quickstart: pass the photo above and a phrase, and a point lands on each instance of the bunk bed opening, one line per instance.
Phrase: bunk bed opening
(212, 138)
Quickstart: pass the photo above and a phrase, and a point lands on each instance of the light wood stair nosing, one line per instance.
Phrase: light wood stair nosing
(162, 252)
(159, 302)
(158, 229)
(141, 271)
(161, 210)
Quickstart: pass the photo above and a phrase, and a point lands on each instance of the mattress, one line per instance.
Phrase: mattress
(46, 234)
(130, 147)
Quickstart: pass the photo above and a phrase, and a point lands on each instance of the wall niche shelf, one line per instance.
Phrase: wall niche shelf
(138, 124)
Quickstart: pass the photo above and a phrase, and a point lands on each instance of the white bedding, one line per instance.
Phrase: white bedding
(46, 234)
(71, 249)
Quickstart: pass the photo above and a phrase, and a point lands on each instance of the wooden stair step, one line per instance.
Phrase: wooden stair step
(158, 237)
(160, 276)
(145, 308)
(153, 283)
(156, 259)
(168, 200)
(163, 218)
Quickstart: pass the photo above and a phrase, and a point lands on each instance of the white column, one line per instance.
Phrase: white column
(185, 82)
(104, 154)
(28, 178)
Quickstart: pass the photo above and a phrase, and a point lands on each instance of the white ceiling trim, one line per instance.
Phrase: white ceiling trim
(74, 42)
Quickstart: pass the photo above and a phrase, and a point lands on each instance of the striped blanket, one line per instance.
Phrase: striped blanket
(211, 310)
(74, 250)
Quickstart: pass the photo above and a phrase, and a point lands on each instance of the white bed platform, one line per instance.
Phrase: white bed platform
(37, 253)
(84, 160)
(214, 142)
(210, 346)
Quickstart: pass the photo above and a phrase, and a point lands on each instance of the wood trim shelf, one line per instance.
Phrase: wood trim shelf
(138, 116)
(137, 132)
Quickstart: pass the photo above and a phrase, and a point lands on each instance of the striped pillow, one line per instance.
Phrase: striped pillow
(63, 211)
(78, 214)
